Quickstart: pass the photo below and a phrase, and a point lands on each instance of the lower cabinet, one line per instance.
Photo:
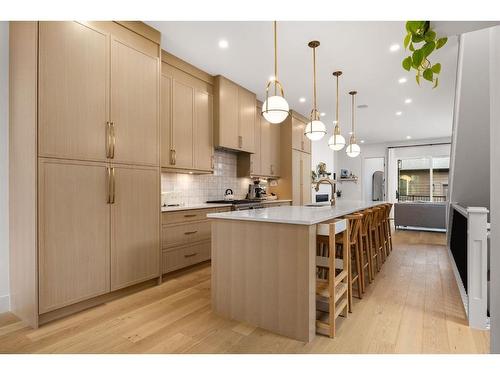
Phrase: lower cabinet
(98, 228)
(135, 226)
(73, 233)
(185, 237)
(301, 178)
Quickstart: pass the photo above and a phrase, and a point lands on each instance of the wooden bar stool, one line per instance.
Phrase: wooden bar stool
(388, 226)
(384, 245)
(364, 240)
(355, 271)
(332, 283)
(375, 247)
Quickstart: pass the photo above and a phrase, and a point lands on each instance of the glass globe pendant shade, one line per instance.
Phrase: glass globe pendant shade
(275, 109)
(353, 150)
(336, 142)
(315, 130)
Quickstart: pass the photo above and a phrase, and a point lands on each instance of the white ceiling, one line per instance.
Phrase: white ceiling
(359, 49)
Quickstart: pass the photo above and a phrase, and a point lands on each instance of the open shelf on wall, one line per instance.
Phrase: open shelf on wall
(348, 179)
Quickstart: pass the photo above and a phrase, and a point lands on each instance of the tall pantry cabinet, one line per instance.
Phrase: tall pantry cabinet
(85, 163)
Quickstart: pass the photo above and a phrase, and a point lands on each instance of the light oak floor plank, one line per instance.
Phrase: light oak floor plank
(413, 306)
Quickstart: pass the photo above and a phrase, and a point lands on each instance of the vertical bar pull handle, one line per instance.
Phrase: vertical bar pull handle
(108, 139)
(108, 174)
(113, 139)
(113, 189)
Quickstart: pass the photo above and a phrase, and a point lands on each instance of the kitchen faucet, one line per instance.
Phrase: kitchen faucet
(332, 183)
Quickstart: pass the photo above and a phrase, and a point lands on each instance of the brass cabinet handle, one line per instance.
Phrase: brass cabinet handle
(113, 139)
(173, 157)
(251, 166)
(190, 215)
(272, 169)
(190, 255)
(108, 173)
(213, 162)
(192, 232)
(113, 190)
(240, 141)
(108, 139)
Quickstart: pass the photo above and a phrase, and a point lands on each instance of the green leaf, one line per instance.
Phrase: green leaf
(436, 82)
(414, 26)
(411, 48)
(415, 38)
(428, 75)
(417, 77)
(417, 58)
(428, 48)
(430, 35)
(436, 68)
(407, 40)
(407, 63)
(441, 42)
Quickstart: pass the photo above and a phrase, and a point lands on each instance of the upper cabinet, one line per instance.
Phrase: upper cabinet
(299, 140)
(98, 93)
(186, 117)
(234, 115)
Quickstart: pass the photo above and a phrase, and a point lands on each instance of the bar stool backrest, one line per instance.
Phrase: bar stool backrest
(354, 226)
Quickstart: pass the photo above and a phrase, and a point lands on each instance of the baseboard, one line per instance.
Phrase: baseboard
(4, 303)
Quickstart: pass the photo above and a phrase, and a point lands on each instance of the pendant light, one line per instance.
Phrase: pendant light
(275, 108)
(315, 129)
(352, 149)
(336, 141)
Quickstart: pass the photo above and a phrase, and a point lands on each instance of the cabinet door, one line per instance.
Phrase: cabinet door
(203, 137)
(297, 179)
(73, 91)
(228, 114)
(135, 226)
(265, 146)
(182, 125)
(134, 104)
(166, 120)
(299, 140)
(74, 229)
(246, 102)
(275, 149)
(256, 157)
(306, 178)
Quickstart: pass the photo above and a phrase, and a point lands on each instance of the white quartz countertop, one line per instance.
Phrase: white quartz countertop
(302, 215)
(202, 206)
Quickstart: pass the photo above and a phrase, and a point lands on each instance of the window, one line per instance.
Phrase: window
(423, 179)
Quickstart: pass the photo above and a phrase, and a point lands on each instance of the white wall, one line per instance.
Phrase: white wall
(4, 166)
(470, 167)
(495, 187)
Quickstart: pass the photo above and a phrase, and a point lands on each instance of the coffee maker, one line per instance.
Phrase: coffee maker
(255, 191)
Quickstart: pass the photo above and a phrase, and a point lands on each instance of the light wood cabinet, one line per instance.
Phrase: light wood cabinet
(294, 164)
(74, 232)
(135, 226)
(299, 140)
(186, 118)
(84, 103)
(134, 104)
(265, 161)
(234, 116)
(73, 91)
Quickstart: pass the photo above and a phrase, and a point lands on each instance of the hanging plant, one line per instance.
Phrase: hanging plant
(421, 40)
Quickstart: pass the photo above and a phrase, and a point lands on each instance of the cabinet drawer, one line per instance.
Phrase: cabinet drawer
(180, 234)
(185, 256)
(183, 216)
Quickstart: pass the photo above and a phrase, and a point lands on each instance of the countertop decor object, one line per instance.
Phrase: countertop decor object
(353, 148)
(336, 141)
(275, 108)
(315, 129)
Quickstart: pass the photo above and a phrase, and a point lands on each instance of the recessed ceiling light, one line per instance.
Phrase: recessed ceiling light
(362, 141)
(350, 133)
(272, 78)
(394, 47)
(408, 101)
(402, 80)
(322, 114)
(399, 113)
(223, 44)
(408, 137)
(302, 100)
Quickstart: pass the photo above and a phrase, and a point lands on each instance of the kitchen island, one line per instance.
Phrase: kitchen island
(264, 265)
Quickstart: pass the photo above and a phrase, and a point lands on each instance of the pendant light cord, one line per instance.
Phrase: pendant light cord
(337, 105)
(314, 82)
(275, 59)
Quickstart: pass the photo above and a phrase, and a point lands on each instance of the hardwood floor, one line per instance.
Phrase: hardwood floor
(413, 306)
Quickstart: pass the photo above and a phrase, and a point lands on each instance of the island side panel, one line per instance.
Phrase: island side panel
(264, 274)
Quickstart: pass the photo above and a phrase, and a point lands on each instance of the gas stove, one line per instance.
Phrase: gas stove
(242, 204)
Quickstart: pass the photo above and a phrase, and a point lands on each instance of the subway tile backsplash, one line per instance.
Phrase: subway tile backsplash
(196, 189)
